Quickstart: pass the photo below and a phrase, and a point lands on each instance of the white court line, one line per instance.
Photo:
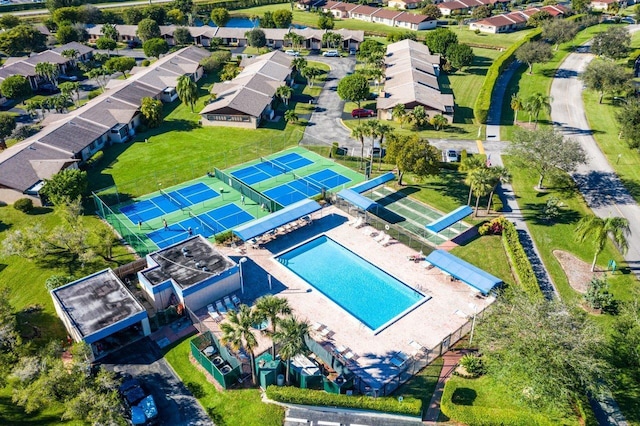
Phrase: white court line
(295, 420)
(322, 422)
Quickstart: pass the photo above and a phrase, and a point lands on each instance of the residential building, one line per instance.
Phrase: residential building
(605, 5)
(410, 21)
(191, 273)
(247, 99)
(405, 4)
(101, 311)
(411, 79)
(513, 21)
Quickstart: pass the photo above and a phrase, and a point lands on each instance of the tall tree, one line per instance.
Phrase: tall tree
(629, 121)
(606, 77)
(148, 29)
(182, 36)
(69, 88)
(151, 110)
(237, 332)
(547, 152)
(332, 39)
(372, 129)
(460, 55)
(359, 132)
(220, 16)
(187, 91)
(15, 87)
(271, 308)
(440, 39)
(284, 92)
(399, 113)
(599, 230)
(432, 11)
(559, 31)
(154, 47)
(537, 103)
(65, 186)
(480, 184)
(481, 12)
(7, 126)
(354, 88)
(499, 175)
(110, 31)
(100, 75)
(185, 6)
(282, 18)
(310, 73)
(256, 38)
(418, 116)
(106, 43)
(516, 105)
(325, 21)
(291, 338)
(439, 122)
(291, 116)
(121, 64)
(48, 71)
(8, 21)
(534, 52)
(384, 131)
(414, 155)
(612, 44)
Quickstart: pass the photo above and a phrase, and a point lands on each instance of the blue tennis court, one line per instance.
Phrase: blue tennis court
(206, 224)
(169, 202)
(306, 187)
(270, 168)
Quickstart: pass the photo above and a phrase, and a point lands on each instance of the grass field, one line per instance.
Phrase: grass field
(526, 84)
(499, 41)
(422, 385)
(233, 407)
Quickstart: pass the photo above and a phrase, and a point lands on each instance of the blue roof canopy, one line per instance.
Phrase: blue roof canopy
(372, 183)
(464, 271)
(356, 199)
(274, 220)
(449, 219)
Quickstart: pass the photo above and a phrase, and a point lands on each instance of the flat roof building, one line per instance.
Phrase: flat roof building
(101, 311)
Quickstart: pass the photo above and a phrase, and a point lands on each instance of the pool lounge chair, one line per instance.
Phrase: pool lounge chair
(418, 348)
(349, 355)
(385, 241)
(379, 237)
(215, 316)
(228, 304)
(235, 300)
(399, 359)
(355, 221)
(317, 326)
(220, 307)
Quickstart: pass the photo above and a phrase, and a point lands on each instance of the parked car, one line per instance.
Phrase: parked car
(64, 77)
(331, 53)
(292, 52)
(361, 113)
(352, 51)
(451, 156)
(132, 44)
(142, 407)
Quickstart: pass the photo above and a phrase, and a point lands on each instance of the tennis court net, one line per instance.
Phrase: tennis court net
(208, 227)
(319, 187)
(276, 165)
(174, 200)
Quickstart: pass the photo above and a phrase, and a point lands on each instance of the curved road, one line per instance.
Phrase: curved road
(603, 190)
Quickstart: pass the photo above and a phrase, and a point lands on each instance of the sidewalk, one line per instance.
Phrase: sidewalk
(451, 360)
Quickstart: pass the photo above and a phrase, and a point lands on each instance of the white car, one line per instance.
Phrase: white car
(451, 156)
(331, 53)
(292, 52)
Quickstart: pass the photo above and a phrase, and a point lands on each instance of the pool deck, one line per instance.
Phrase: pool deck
(446, 310)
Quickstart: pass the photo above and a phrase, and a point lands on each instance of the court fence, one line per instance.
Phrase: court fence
(247, 191)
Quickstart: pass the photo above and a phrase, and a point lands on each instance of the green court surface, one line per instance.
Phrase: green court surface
(416, 215)
(138, 227)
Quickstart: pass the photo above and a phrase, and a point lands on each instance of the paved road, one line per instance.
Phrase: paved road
(176, 405)
(324, 126)
(597, 181)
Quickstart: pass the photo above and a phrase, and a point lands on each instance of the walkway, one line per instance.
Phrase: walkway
(451, 360)
(497, 98)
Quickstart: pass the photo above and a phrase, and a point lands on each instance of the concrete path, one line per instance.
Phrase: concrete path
(451, 360)
(603, 190)
(325, 126)
(497, 98)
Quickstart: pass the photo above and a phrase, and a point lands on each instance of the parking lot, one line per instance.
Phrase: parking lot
(143, 360)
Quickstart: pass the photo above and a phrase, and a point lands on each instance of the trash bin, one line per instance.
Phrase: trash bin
(280, 380)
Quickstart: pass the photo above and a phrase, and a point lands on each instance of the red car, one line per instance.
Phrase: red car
(361, 113)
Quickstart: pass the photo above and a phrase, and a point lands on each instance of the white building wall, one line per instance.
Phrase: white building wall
(213, 292)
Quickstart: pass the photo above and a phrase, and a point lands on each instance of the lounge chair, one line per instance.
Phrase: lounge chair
(386, 241)
(349, 355)
(418, 348)
(227, 302)
(215, 316)
(220, 307)
(235, 300)
(325, 332)
(355, 221)
(317, 326)
(362, 223)
(368, 231)
(379, 237)
(210, 307)
(340, 349)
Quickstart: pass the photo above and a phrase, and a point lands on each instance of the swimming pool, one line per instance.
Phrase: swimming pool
(368, 293)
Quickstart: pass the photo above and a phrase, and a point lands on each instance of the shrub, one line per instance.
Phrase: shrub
(223, 237)
(494, 227)
(145, 63)
(215, 61)
(94, 94)
(519, 260)
(24, 205)
(473, 364)
(598, 296)
(293, 395)
(24, 132)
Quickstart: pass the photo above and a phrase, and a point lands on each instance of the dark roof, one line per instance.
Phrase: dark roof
(82, 49)
(174, 264)
(194, 53)
(74, 136)
(110, 112)
(134, 92)
(47, 56)
(21, 68)
(27, 167)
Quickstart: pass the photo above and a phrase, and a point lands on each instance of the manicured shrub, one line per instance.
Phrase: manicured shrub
(293, 395)
(24, 205)
(473, 364)
(145, 63)
(93, 94)
(520, 260)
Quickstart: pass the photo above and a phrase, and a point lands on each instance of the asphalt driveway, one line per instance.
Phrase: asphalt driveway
(144, 361)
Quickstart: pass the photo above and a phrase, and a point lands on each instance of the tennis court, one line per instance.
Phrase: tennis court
(168, 202)
(306, 187)
(206, 224)
(270, 168)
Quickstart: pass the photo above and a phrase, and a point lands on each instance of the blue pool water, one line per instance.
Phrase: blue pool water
(368, 293)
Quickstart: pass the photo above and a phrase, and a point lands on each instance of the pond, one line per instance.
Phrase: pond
(236, 22)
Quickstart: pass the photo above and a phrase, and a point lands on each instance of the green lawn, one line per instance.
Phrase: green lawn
(422, 385)
(232, 407)
(477, 252)
(540, 81)
(500, 41)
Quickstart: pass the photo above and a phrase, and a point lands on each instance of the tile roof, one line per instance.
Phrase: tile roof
(74, 135)
(110, 112)
(82, 49)
(134, 92)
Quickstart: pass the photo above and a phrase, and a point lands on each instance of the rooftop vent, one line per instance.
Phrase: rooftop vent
(205, 269)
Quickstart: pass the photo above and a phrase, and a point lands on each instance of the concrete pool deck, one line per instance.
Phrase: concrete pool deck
(450, 303)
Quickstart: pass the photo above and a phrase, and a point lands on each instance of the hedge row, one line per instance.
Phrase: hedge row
(486, 416)
(483, 101)
(520, 260)
(293, 395)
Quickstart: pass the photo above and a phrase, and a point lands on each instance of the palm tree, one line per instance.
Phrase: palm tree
(399, 113)
(498, 175)
(271, 307)
(372, 128)
(299, 63)
(48, 71)
(535, 104)
(290, 115)
(438, 121)
(237, 333)
(284, 92)
(310, 73)
(479, 181)
(291, 338)
(187, 91)
(516, 105)
(359, 132)
(377, 75)
(599, 229)
(384, 130)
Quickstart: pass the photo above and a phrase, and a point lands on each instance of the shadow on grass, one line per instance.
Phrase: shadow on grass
(14, 415)
(37, 211)
(464, 396)
(534, 213)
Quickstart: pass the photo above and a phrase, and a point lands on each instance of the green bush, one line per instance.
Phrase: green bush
(473, 364)
(145, 63)
(519, 260)
(94, 94)
(94, 159)
(481, 106)
(25, 205)
(223, 237)
(293, 395)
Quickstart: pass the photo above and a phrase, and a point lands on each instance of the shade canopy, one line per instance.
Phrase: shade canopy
(464, 271)
(275, 220)
(372, 183)
(356, 199)
(450, 219)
